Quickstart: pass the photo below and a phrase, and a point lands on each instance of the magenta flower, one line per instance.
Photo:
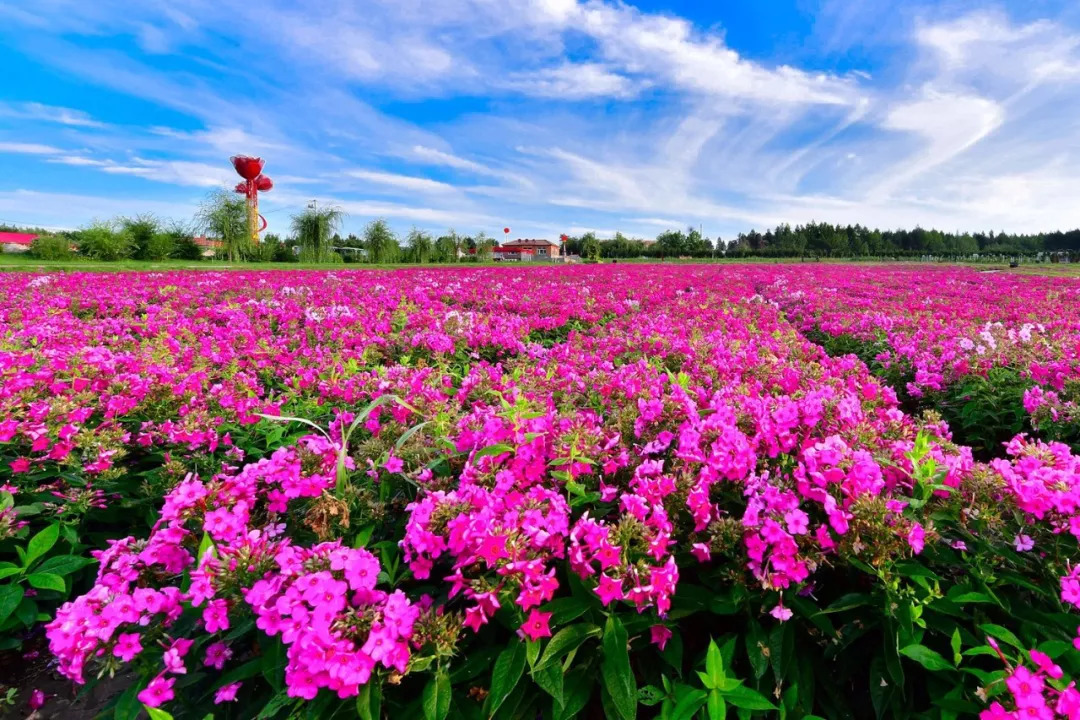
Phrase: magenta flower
(158, 692)
(226, 693)
(536, 625)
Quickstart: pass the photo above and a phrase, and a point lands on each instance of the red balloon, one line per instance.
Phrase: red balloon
(506, 230)
(263, 183)
(248, 167)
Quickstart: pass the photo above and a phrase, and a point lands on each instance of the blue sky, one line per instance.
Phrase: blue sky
(548, 116)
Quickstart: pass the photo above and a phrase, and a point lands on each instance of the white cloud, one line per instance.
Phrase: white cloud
(21, 148)
(175, 172)
(49, 113)
(404, 182)
(574, 81)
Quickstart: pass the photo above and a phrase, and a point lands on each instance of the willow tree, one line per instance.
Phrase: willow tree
(381, 242)
(420, 246)
(223, 215)
(314, 229)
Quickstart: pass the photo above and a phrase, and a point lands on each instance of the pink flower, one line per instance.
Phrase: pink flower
(216, 616)
(701, 552)
(173, 657)
(394, 465)
(916, 538)
(20, 465)
(128, 645)
(1045, 664)
(1023, 543)
(781, 613)
(226, 693)
(609, 589)
(37, 699)
(659, 635)
(158, 692)
(217, 654)
(536, 625)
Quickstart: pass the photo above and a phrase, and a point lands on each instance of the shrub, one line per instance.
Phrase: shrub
(184, 247)
(103, 241)
(51, 247)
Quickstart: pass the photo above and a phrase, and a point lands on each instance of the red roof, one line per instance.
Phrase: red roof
(504, 249)
(13, 238)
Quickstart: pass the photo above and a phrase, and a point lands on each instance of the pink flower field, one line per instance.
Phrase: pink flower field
(588, 491)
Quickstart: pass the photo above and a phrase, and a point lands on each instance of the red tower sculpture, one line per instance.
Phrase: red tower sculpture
(250, 168)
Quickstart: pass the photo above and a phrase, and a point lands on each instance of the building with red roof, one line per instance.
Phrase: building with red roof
(16, 241)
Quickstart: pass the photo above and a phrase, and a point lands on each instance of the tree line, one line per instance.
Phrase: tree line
(315, 238)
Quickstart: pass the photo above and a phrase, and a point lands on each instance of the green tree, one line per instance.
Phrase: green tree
(447, 247)
(590, 246)
(381, 242)
(314, 229)
(223, 215)
(183, 242)
(420, 246)
(104, 241)
(484, 245)
(148, 237)
(51, 247)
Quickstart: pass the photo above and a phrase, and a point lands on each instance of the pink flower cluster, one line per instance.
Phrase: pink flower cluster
(321, 600)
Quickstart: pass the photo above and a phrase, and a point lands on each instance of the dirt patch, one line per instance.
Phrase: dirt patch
(33, 668)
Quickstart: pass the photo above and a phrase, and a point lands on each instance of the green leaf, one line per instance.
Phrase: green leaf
(9, 571)
(847, 602)
(970, 597)
(207, 543)
(748, 699)
(550, 680)
(757, 645)
(955, 644)
(47, 581)
(280, 700)
(532, 651)
(650, 695)
(63, 564)
(714, 666)
(436, 698)
(1002, 634)
(157, 713)
(577, 690)
(27, 612)
(564, 641)
(615, 670)
(929, 659)
(41, 543)
(493, 450)
(689, 704)
(505, 675)
(716, 706)
(369, 701)
(10, 597)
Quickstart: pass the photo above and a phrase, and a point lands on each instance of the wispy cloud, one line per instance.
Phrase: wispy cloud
(49, 113)
(21, 148)
(405, 182)
(549, 114)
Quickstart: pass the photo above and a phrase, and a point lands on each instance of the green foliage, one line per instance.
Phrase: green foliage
(51, 247)
(104, 241)
(381, 243)
(38, 567)
(420, 246)
(314, 229)
(223, 215)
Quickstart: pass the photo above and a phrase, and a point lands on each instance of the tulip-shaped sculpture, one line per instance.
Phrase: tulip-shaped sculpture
(250, 169)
